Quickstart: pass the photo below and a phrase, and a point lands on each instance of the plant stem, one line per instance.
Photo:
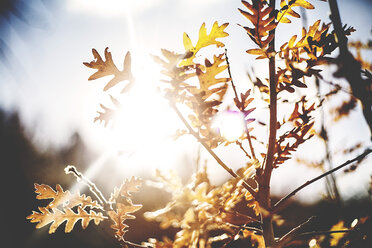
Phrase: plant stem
(288, 237)
(358, 158)
(92, 187)
(237, 98)
(214, 155)
(350, 68)
(265, 178)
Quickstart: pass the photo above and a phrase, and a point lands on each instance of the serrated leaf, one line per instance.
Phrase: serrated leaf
(63, 198)
(107, 67)
(258, 15)
(108, 114)
(207, 78)
(204, 40)
(122, 213)
(128, 186)
(57, 217)
(286, 9)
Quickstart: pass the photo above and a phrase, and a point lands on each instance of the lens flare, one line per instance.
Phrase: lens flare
(230, 124)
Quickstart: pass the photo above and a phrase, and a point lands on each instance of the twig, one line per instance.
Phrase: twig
(324, 232)
(288, 237)
(214, 155)
(92, 187)
(130, 244)
(358, 158)
(242, 148)
(237, 98)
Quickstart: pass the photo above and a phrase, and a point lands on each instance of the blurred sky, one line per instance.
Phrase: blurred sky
(43, 45)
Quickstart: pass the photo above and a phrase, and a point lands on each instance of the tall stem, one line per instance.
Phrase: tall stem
(264, 184)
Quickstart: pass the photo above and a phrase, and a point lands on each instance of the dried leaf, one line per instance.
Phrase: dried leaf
(57, 217)
(128, 186)
(108, 67)
(258, 15)
(122, 213)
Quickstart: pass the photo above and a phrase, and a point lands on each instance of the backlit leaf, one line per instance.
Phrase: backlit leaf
(204, 40)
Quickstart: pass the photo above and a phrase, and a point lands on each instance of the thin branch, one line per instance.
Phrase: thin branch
(242, 148)
(70, 169)
(288, 237)
(214, 155)
(356, 159)
(130, 244)
(237, 98)
(324, 232)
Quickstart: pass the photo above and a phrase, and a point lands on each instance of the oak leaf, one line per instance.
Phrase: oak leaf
(262, 23)
(122, 213)
(107, 67)
(57, 217)
(63, 198)
(286, 9)
(204, 40)
(128, 186)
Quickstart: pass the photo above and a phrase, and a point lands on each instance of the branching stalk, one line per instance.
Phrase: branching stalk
(288, 237)
(237, 98)
(265, 177)
(359, 158)
(214, 155)
(92, 187)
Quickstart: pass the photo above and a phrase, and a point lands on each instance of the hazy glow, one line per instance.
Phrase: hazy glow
(230, 124)
(111, 8)
(312, 243)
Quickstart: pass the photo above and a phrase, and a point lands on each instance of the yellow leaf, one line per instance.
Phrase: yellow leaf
(204, 40)
(207, 78)
(286, 9)
(256, 51)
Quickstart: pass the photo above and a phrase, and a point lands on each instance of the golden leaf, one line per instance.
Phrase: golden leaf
(122, 213)
(286, 9)
(66, 201)
(204, 40)
(207, 78)
(57, 217)
(108, 67)
(63, 198)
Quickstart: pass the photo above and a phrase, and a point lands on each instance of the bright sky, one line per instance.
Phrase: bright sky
(53, 95)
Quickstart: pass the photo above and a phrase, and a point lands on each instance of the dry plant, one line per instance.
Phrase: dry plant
(206, 215)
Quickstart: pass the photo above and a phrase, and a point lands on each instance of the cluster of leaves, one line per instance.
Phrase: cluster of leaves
(71, 208)
(206, 214)
(204, 96)
(60, 209)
